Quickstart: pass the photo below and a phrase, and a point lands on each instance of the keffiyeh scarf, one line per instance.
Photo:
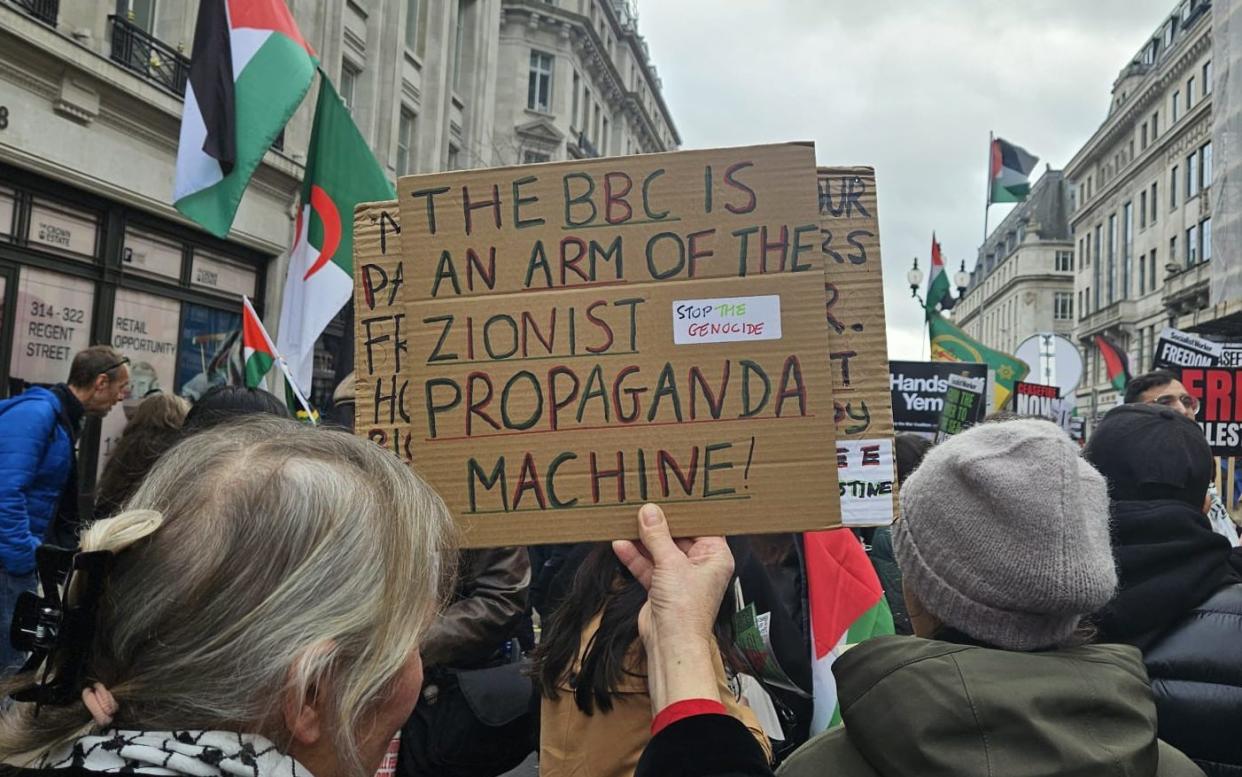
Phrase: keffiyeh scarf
(173, 753)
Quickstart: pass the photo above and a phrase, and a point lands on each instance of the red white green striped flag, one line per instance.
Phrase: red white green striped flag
(938, 280)
(847, 606)
(1010, 168)
(258, 353)
(1115, 361)
(250, 69)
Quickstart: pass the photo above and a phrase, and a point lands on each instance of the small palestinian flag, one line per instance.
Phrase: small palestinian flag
(258, 353)
(250, 69)
(847, 606)
(1011, 170)
(1116, 362)
(938, 281)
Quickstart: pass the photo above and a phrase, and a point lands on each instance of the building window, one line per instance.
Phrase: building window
(1177, 106)
(1139, 355)
(1080, 316)
(1205, 240)
(1192, 246)
(405, 142)
(1155, 124)
(1142, 275)
(454, 158)
(349, 84)
(1110, 281)
(1143, 136)
(1063, 306)
(584, 126)
(1173, 188)
(539, 85)
(1207, 78)
(1205, 165)
(1127, 247)
(1151, 276)
(573, 114)
(535, 157)
(1173, 249)
(604, 141)
(411, 24)
(1095, 258)
(595, 126)
(1154, 200)
(1065, 261)
(1142, 209)
(1190, 92)
(141, 13)
(1192, 176)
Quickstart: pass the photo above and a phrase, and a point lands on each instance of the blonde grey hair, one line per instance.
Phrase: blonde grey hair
(259, 563)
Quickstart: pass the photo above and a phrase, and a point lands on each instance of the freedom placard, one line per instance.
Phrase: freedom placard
(1210, 373)
(849, 225)
(583, 337)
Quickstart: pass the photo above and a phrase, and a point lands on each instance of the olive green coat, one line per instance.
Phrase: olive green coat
(920, 707)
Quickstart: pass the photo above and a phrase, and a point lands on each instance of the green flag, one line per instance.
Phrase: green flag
(341, 172)
(938, 281)
(950, 344)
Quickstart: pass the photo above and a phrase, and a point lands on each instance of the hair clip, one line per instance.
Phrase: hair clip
(56, 632)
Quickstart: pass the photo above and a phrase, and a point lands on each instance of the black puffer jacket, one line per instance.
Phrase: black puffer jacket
(1180, 602)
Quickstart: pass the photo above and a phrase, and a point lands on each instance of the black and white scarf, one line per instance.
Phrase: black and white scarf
(176, 753)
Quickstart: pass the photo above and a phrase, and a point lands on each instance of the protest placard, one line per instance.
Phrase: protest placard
(587, 336)
(381, 410)
(964, 406)
(1211, 378)
(918, 389)
(1036, 399)
(858, 351)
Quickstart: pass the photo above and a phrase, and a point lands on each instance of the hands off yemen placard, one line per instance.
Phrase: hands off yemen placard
(555, 382)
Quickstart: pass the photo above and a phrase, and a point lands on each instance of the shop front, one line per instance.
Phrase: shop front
(76, 269)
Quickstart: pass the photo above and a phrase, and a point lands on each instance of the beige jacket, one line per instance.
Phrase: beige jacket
(574, 744)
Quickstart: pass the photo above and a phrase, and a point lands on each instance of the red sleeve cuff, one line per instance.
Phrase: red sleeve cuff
(686, 708)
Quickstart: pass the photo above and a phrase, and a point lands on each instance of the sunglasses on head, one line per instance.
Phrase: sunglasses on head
(124, 360)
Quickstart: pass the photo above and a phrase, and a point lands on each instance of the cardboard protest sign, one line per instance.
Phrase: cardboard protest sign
(1035, 399)
(849, 229)
(964, 406)
(587, 336)
(1208, 371)
(382, 389)
(918, 389)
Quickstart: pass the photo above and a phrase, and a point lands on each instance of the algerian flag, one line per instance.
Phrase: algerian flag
(847, 606)
(249, 70)
(258, 353)
(1011, 168)
(938, 281)
(341, 172)
(950, 344)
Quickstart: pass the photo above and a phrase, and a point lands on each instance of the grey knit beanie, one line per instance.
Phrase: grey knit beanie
(1004, 535)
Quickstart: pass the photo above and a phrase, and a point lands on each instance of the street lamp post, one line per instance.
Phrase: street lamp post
(915, 278)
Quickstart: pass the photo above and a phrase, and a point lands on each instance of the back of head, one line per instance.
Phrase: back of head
(228, 403)
(1147, 381)
(259, 563)
(1004, 535)
(909, 450)
(1149, 452)
(156, 425)
(90, 363)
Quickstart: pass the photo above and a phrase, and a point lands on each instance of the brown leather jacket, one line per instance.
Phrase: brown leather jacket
(488, 604)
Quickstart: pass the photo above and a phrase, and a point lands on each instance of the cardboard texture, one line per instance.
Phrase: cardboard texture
(381, 411)
(849, 226)
(548, 394)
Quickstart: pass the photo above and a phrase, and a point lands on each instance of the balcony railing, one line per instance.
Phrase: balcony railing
(135, 49)
(45, 11)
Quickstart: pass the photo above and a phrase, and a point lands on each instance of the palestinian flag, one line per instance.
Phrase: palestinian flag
(258, 353)
(1116, 362)
(250, 69)
(1011, 168)
(938, 281)
(341, 172)
(847, 606)
(950, 344)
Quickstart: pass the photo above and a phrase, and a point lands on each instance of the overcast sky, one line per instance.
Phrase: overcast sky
(910, 87)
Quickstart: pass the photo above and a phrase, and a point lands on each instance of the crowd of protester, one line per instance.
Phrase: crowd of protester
(257, 596)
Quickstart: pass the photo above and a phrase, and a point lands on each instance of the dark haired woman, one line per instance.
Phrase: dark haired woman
(226, 403)
(591, 667)
(156, 425)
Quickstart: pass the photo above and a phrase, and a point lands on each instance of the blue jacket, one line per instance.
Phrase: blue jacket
(36, 459)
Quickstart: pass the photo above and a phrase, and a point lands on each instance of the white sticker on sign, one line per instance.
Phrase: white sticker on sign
(866, 472)
(726, 319)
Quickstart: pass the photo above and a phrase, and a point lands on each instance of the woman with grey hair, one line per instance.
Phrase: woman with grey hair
(256, 608)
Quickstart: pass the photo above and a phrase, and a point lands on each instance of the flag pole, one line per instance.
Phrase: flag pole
(280, 360)
(987, 199)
